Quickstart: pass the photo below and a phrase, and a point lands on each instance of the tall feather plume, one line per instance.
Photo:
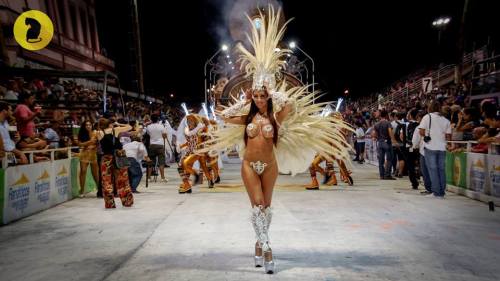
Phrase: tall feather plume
(266, 58)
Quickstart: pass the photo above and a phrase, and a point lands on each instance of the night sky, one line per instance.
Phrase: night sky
(362, 46)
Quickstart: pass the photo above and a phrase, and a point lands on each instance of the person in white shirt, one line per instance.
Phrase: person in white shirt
(157, 135)
(360, 143)
(136, 152)
(435, 130)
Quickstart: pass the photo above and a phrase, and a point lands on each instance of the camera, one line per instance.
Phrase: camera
(427, 139)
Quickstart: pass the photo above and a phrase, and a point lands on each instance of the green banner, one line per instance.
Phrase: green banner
(449, 168)
(90, 184)
(75, 186)
(2, 192)
(456, 169)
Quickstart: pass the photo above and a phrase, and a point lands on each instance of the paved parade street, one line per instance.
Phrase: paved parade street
(374, 230)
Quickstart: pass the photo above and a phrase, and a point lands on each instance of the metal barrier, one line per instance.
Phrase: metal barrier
(30, 154)
(33, 187)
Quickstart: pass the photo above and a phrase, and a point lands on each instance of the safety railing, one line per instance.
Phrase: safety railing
(10, 158)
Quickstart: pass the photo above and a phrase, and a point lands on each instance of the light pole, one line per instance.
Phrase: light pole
(292, 46)
(440, 24)
(224, 48)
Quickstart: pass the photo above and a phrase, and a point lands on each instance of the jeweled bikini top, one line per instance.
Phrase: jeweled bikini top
(262, 125)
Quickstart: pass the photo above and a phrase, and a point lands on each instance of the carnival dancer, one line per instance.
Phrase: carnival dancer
(275, 128)
(193, 135)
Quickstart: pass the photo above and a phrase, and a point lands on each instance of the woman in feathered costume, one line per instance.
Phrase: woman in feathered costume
(275, 129)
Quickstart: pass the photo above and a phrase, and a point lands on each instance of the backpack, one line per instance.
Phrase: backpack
(401, 128)
(410, 131)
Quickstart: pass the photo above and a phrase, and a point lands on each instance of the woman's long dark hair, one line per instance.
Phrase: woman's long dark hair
(254, 110)
(83, 134)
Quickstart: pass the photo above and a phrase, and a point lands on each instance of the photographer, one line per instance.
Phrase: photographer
(136, 152)
(436, 130)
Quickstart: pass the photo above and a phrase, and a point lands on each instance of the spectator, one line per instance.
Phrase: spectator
(400, 144)
(51, 135)
(25, 116)
(112, 176)
(12, 91)
(136, 153)
(436, 130)
(360, 143)
(467, 121)
(87, 140)
(455, 112)
(157, 134)
(8, 144)
(411, 153)
(385, 137)
(489, 112)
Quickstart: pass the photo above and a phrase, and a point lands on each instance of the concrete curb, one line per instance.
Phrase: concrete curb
(473, 194)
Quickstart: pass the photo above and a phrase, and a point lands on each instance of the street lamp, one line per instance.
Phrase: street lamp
(293, 45)
(224, 48)
(441, 24)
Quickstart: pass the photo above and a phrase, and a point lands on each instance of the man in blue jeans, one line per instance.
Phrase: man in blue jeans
(136, 152)
(385, 137)
(436, 130)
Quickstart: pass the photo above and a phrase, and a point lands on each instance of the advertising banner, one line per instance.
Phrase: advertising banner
(494, 175)
(456, 169)
(62, 181)
(477, 172)
(28, 189)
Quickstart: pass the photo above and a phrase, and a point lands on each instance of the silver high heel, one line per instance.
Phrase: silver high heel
(259, 258)
(268, 262)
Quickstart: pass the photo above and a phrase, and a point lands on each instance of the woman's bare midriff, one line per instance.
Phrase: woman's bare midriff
(259, 148)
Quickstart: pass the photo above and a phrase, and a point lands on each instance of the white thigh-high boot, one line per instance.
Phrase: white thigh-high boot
(261, 219)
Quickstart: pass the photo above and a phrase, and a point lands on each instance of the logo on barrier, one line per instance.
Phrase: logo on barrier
(19, 193)
(478, 175)
(42, 187)
(62, 172)
(33, 30)
(495, 181)
(62, 181)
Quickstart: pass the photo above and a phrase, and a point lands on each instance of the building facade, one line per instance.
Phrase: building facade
(74, 46)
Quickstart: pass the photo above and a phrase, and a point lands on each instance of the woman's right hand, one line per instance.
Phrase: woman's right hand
(248, 95)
